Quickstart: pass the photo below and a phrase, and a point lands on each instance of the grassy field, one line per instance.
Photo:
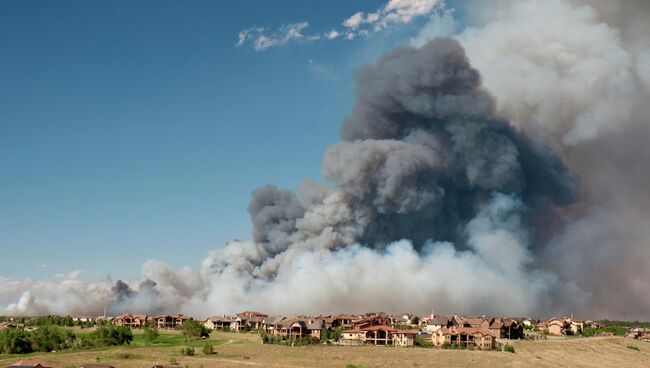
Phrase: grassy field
(245, 350)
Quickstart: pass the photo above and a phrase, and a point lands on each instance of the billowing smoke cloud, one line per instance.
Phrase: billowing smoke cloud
(575, 74)
(501, 172)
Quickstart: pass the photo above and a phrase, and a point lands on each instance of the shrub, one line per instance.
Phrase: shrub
(208, 349)
(422, 342)
(509, 348)
(124, 356)
(187, 351)
(172, 360)
(226, 329)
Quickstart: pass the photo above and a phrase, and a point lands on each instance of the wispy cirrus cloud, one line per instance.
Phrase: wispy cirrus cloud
(394, 13)
(262, 39)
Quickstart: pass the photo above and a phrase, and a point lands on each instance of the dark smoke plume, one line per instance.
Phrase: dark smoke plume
(519, 190)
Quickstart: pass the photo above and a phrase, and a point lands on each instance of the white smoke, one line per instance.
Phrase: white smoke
(574, 75)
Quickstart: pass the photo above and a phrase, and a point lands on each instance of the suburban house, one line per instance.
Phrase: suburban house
(248, 320)
(370, 319)
(179, 319)
(272, 324)
(480, 338)
(83, 319)
(134, 321)
(378, 335)
(297, 327)
(561, 326)
(33, 363)
(340, 320)
(476, 322)
(435, 322)
(164, 321)
(507, 328)
(218, 322)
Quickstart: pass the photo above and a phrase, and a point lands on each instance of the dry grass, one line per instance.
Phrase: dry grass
(245, 350)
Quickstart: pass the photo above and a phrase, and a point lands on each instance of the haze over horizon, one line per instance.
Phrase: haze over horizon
(491, 158)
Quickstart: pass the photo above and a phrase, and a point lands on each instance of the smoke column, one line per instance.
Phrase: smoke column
(501, 171)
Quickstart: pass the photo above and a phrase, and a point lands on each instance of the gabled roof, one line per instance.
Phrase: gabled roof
(466, 330)
(251, 313)
(472, 321)
(314, 324)
(438, 320)
(221, 319)
(30, 363)
(273, 320)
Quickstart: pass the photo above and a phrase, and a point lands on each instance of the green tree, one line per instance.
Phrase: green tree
(15, 341)
(150, 334)
(193, 330)
(112, 335)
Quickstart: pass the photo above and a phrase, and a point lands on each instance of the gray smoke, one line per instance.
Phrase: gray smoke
(512, 181)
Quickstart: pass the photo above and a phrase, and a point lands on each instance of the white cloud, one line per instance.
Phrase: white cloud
(332, 34)
(261, 39)
(395, 12)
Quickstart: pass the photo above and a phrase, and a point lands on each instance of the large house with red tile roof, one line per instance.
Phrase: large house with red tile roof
(465, 337)
(378, 335)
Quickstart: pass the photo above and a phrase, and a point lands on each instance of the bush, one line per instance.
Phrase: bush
(193, 330)
(422, 342)
(226, 329)
(208, 349)
(110, 335)
(509, 348)
(187, 351)
(124, 356)
(172, 360)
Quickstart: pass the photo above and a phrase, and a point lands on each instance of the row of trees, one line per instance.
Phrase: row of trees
(51, 338)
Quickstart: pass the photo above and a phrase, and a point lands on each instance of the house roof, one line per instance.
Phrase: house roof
(30, 363)
(438, 320)
(273, 320)
(472, 320)
(221, 319)
(466, 330)
(251, 313)
(314, 324)
(497, 323)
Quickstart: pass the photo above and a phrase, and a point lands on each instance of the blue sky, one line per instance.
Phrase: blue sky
(137, 130)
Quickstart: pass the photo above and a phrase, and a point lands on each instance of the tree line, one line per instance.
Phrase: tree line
(48, 338)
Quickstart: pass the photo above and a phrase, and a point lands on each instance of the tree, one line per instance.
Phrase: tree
(150, 334)
(193, 330)
(15, 341)
(112, 335)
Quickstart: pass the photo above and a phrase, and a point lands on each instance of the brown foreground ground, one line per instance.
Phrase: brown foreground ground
(245, 350)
